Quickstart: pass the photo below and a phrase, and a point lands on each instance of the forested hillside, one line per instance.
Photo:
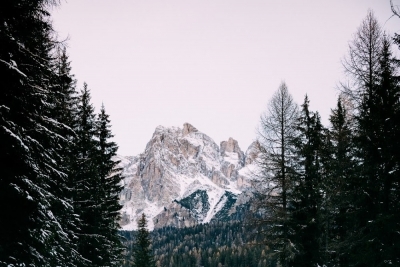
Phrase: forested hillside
(231, 244)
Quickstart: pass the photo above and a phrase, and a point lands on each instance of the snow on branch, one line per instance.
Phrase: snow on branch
(14, 67)
(17, 138)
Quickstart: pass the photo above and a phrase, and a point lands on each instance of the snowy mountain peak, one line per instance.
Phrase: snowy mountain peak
(188, 128)
(181, 179)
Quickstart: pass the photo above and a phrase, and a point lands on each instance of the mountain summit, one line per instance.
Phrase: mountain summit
(183, 178)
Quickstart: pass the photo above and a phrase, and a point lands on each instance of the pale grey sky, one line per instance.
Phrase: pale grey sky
(212, 63)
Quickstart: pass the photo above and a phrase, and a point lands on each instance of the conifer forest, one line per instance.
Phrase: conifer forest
(324, 195)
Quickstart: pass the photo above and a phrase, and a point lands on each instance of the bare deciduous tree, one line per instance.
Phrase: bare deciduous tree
(362, 61)
(276, 134)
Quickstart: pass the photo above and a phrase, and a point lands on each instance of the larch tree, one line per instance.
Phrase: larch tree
(362, 61)
(274, 183)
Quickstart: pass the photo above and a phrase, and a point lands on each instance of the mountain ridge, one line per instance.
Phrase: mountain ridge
(183, 178)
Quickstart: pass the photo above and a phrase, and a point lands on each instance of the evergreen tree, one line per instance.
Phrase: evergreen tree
(96, 186)
(142, 254)
(59, 189)
(370, 239)
(31, 228)
(63, 111)
(307, 200)
(376, 211)
(86, 182)
(109, 189)
(65, 92)
(338, 185)
(275, 184)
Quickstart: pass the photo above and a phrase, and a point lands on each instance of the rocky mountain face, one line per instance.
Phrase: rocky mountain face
(184, 178)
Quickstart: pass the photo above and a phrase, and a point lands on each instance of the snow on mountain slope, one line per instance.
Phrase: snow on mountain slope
(182, 178)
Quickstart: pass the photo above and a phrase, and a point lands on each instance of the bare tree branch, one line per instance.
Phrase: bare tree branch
(395, 9)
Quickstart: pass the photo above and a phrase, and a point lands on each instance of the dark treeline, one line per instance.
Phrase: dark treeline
(59, 188)
(329, 196)
(210, 245)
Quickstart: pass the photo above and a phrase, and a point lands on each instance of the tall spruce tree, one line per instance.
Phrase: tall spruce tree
(63, 97)
(87, 182)
(377, 209)
(371, 240)
(337, 185)
(275, 182)
(31, 229)
(97, 186)
(109, 189)
(65, 108)
(65, 91)
(142, 254)
(307, 193)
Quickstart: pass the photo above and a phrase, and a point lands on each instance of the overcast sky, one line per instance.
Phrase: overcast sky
(212, 63)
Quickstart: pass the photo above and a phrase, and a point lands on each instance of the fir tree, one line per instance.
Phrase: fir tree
(377, 147)
(86, 181)
(109, 190)
(142, 254)
(305, 208)
(338, 184)
(369, 239)
(65, 92)
(31, 229)
(97, 186)
(63, 111)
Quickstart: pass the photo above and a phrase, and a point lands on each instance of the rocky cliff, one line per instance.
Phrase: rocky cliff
(183, 178)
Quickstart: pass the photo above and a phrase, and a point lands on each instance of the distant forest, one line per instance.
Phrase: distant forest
(323, 195)
(229, 243)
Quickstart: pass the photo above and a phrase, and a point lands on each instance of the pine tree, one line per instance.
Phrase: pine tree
(142, 254)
